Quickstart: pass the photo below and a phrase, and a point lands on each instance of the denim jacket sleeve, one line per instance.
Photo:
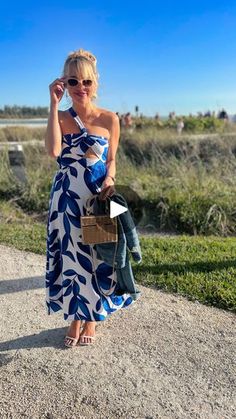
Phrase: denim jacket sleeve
(129, 229)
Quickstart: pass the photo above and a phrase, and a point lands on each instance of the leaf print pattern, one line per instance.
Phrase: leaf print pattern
(70, 283)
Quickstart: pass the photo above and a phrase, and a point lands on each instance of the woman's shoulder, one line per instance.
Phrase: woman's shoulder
(63, 114)
(64, 119)
(110, 116)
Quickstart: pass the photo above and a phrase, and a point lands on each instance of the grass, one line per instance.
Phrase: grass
(18, 133)
(24, 236)
(200, 268)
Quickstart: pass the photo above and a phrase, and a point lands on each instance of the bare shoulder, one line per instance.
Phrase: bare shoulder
(110, 118)
(64, 120)
(62, 116)
(109, 114)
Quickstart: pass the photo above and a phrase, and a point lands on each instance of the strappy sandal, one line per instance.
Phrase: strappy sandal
(82, 343)
(71, 344)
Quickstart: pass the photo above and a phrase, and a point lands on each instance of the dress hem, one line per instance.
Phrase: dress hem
(72, 317)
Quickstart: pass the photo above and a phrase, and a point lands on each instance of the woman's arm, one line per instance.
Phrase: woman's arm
(53, 131)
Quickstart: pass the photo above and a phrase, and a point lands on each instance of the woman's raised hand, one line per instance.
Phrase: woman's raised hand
(57, 88)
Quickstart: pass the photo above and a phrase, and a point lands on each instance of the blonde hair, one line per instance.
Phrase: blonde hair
(84, 63)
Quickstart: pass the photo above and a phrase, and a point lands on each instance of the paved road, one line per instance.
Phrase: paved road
(164, 357)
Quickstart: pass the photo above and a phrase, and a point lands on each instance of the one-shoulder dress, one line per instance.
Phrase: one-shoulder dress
(70, 282)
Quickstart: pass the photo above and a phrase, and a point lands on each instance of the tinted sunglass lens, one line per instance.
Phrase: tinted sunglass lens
(72, 82)
(87, 83)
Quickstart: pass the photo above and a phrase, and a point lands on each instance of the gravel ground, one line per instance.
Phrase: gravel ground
(164, 357)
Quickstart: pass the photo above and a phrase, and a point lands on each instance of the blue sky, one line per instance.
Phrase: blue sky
(160, 55)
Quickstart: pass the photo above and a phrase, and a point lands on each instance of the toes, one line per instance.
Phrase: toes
(84, 339)
(70, 342)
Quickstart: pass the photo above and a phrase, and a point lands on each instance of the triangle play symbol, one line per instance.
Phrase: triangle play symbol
(116, 209)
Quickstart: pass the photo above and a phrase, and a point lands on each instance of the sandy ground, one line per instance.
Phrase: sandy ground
(163, 357)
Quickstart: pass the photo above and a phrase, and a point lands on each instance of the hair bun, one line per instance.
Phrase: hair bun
(82, 53)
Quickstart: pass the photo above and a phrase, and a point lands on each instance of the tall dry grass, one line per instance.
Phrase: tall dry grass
(187, 184)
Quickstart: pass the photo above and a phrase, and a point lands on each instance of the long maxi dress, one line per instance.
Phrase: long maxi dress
(70, 283)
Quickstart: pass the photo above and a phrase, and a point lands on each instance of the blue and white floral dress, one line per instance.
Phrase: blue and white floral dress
(70, 282)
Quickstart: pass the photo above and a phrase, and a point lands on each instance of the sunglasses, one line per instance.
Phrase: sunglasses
(73, 82)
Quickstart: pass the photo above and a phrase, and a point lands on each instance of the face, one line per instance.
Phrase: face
(81, 89)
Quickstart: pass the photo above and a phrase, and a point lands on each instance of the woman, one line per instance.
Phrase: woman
(84, 139)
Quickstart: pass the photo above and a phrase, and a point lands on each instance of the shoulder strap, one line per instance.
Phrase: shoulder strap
(76, 117)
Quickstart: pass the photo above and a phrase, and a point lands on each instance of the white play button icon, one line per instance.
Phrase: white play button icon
(116, 209)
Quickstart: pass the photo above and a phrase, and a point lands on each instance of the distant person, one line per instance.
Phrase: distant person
(158, 120)
(172, 116)
(122, 121)
(180, 126)
(223, 115)
(128, 122)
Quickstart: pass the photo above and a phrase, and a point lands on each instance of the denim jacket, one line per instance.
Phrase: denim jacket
(127, 240)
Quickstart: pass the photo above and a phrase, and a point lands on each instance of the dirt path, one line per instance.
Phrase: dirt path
(164, 357)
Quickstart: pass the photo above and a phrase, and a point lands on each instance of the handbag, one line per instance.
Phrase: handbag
(99, 229)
